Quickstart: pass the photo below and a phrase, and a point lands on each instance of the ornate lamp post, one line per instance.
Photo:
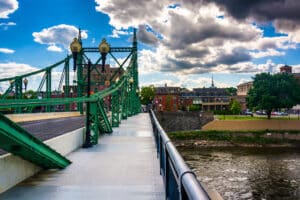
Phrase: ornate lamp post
(87, 142)
(103, 49)
(25, 81)
(75, 47)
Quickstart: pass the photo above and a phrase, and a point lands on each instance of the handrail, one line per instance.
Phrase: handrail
(179, 180)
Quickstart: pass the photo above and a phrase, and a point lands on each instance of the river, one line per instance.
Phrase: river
(247, 173)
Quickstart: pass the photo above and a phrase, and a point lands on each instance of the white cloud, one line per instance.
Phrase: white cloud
(5, 26)
(116, 33)
(8, 7)
(54, 48)
(7, 51)
(12, 69)
(58, 37)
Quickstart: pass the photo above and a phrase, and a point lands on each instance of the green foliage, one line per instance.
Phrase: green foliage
(235, 107)
(168, 103)
(194, 107)
(273, 92)
(253, 137)
(30, 94)
(147, 95)
(231, 91)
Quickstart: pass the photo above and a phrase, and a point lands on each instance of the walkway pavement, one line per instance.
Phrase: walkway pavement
(122, 166)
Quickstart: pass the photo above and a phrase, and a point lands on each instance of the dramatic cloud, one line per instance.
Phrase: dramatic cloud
(116, 33)
(146, 36)
(8, 7)
(5, 50)
(196, 37)
(58, 37)
(283, 13)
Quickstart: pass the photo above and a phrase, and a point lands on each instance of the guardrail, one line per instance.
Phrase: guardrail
(179, 180)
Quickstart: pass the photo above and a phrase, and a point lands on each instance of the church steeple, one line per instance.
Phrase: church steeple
(212, 81)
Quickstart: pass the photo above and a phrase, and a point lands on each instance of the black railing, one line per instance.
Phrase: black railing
(179, 180)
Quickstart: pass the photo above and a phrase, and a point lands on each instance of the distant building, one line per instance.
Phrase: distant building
(242, 91)
(288, 69)
(99, 80)
(167, 98)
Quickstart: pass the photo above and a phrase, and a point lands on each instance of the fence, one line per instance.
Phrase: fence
(179, 180)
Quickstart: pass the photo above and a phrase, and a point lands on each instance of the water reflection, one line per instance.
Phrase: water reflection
(247, 173)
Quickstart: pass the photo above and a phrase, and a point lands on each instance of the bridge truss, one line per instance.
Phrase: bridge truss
(104, 109)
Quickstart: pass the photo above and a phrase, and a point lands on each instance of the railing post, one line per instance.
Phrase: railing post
(67, 83)
(48, 87)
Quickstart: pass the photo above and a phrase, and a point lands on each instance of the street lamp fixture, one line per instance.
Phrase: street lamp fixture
(131, 81)
(103, 49)
(75, 47)
(25, 81)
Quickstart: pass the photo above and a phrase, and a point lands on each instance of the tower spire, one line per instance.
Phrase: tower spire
(79, 36)
(134, 41)
(212, 81)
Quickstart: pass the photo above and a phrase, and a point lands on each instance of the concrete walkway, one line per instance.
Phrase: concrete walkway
(122, 166)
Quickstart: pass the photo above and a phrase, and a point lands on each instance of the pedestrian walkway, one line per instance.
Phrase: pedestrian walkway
(122, 166)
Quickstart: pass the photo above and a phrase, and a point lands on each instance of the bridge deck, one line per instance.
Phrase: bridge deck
(122, 166)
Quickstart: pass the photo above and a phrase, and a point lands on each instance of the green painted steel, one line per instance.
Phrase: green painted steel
(18, 141)
(122, 96)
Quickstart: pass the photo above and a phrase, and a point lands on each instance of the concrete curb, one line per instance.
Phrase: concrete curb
(14, 169)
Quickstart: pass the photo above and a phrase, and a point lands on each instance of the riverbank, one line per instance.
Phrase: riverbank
(253, 125)
(263, 138)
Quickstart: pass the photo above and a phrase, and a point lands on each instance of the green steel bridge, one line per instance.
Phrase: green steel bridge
(104, 111)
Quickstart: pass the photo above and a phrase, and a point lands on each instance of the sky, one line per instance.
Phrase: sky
(181, 42)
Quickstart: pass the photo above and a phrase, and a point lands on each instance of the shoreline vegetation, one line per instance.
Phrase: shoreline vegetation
(227, 138)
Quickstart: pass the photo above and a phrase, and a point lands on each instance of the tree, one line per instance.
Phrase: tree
(235, 107)
(231, 91)
(147, 95)
(273, 92)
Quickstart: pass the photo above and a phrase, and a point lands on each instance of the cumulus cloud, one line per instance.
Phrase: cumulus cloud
(12, 69)
(7, 51)
(202, 36)
(145, 36)
(8, 7)
(283, 13)
(116, 33)
(58, 37)
(54, 48)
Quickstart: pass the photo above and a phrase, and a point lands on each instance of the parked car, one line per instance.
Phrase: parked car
(259, 112)
(248, 113)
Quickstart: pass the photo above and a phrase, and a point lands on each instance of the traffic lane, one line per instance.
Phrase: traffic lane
(50, 128)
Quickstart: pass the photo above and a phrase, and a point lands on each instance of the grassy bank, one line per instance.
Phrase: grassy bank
(255, 117)
(262, 137)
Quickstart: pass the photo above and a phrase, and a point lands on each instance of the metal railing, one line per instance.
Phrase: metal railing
(180, 181)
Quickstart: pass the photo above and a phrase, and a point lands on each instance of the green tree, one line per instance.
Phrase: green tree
(235, 107)
(273, 92)
(231, 91)
(147, 95)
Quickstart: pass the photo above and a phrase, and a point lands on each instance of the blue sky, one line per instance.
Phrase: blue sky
(181, 43)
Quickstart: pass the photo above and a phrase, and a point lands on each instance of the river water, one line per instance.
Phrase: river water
(247, 173)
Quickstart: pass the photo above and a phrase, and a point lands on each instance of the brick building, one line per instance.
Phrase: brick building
(167, 98)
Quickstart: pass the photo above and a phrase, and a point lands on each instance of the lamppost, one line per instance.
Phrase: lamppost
(25, 81)
(87, 142)
(131, 95)
(75, 47)
(103, 49)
